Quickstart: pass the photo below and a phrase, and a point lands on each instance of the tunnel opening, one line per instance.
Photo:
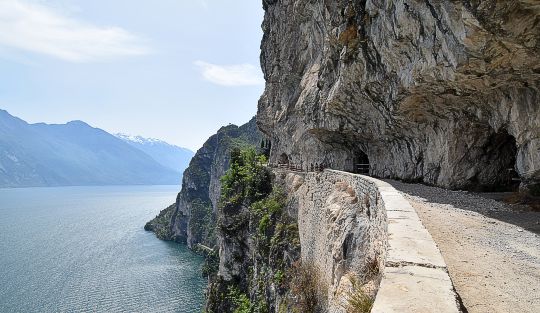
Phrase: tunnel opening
(361, 163)
(499, 169)
(283, 159)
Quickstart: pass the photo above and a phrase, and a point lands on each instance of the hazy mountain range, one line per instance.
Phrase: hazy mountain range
(79, 154)
(171, 156)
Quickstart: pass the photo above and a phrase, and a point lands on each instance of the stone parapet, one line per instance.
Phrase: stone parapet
(351, 224)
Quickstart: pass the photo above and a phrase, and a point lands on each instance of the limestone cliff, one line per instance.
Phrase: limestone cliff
(441, 92)
(192, 218)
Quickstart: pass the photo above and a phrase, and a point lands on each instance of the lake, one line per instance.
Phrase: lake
(83, 249)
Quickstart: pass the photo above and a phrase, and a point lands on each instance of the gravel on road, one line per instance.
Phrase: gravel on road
(492, 249)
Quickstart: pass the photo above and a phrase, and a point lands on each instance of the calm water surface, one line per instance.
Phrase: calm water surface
(83, 249)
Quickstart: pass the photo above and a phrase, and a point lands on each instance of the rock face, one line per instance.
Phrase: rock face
(440, 92)
(193, 217)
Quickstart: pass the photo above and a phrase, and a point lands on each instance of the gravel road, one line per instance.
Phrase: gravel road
(492, 249)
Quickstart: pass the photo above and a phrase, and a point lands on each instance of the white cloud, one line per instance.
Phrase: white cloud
(231, 75)
(39, 29)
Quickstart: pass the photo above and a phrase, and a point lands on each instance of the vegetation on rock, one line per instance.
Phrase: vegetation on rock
(264, 238)
(194, 218)
(202, 222)
(308, 288)
(160, 225)
(247, 179)
(358, 301)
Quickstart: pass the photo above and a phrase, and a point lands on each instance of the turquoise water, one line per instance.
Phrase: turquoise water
(83, 249)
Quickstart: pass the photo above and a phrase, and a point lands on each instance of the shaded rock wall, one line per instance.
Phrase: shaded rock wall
(442, 92)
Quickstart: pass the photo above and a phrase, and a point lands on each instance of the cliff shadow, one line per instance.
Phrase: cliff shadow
(487, 204)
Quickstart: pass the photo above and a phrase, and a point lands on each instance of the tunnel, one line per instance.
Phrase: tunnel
(498, 172)
(283, 159)
(361, 163)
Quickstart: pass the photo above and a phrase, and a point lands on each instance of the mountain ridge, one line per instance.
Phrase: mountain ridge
(171, 156)
(75, 153)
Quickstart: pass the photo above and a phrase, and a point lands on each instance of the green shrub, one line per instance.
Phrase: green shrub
(247, 180)
(211, 264)
(240, 300)
(248, 185)
(263, 224)
(202, 222)
(268, 210)
(278, 277)
(272, 204)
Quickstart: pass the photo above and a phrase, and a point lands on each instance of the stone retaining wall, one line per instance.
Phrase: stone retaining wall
(351, 225)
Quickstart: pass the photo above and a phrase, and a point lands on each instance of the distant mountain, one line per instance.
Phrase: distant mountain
(72, 154)
(171, 156)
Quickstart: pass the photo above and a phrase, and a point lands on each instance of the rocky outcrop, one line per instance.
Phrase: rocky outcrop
(193, 218)
(160, 225)
(440, 92)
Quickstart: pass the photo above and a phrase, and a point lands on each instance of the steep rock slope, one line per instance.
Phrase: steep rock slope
(442, 92)
(194, 214)
(259, 243)
(72, 154)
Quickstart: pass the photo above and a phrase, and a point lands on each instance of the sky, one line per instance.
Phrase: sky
(175, 70)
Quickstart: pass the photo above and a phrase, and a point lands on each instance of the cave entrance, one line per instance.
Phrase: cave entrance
(361, 163)
(499, 174)
(283, 159)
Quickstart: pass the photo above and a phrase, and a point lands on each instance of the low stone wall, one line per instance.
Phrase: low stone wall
(415, 277)
(357, 226)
